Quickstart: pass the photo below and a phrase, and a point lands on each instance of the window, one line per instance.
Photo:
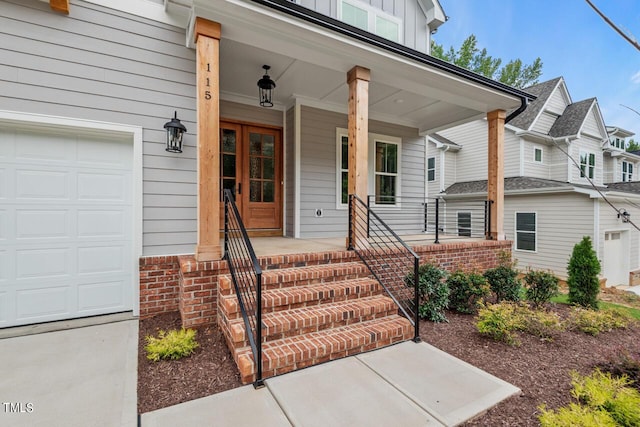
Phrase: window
(617, 142)
(526, 231)
(431, 169)
(537, 154)
(386, 172)
(384, 168)
(627, 171)
(370, 19)
(464, 224)
(587, 164)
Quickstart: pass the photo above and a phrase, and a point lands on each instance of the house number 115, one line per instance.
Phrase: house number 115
(207, 92)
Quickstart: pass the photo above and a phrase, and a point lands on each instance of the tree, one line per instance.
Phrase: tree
(583, 270)
(632, 145)
(514, 73)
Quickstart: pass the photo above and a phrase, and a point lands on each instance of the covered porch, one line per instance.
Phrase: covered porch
(352, 111)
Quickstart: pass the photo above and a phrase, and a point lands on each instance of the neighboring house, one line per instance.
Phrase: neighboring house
(549, 203)
(89, 194)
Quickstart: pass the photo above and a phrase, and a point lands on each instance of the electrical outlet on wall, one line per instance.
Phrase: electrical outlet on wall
(318, 213)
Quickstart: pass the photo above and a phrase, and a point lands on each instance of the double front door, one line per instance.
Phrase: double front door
(251, 167)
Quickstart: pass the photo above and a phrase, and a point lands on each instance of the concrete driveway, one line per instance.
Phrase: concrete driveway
(81, 377)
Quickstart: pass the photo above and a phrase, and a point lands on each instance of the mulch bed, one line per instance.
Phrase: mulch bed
(540, 369)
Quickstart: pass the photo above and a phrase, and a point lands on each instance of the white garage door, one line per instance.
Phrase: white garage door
(616, 257)
(66, 225)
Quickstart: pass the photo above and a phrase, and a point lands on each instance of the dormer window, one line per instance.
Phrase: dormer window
(369, 18)
(617, 142)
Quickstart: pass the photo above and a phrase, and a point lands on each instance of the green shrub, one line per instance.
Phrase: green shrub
(542, 324)
(594, 322)
(467, 291)
(541, 287)
(601, 390)
(171, 345)
(433, 292)
(603, 400)
(500, 322)
(575, 415)
(504, 282)
(583, 270)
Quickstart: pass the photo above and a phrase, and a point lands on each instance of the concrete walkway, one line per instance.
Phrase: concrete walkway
(77, 377)
(403, 385)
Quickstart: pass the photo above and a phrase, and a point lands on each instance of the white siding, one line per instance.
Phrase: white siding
(562, 221)
(318, 169)
(591, 127)
(450, 158)
(558, 101)
(544, 122)
(592, 146)
(558, 163)
(511, 153)
(433, 187)
(471, 161)
(540, 170)
(104, 65)
(610, 172)
(609, 221)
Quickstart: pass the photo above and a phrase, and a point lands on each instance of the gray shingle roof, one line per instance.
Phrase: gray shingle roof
(510, 184)
(570, 122)
(441, 139)
(627, 187)
(542, 91)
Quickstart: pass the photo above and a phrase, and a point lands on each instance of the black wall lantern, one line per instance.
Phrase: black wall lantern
(265, 88)
(175, 132)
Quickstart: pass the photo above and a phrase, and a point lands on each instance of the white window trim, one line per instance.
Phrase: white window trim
(595, 164)
(372, 13)
(538, 148)
(434, 169)
(515, 229)
(372, 139)
(627, 176)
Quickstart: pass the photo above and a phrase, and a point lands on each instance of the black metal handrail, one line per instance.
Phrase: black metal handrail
(246, 275)
(391, 261)
(417, 218)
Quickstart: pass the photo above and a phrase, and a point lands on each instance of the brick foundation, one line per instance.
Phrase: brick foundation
(170, 283)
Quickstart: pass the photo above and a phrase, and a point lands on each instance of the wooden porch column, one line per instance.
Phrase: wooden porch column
(207, 35)
(358, 132)
(495, 183)
(61, 6)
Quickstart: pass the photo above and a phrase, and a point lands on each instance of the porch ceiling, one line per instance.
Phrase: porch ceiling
(310, 63)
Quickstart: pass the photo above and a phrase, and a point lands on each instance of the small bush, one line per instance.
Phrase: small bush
(171, 345)
(542, 324)
(575, 415)
(583, 271)
(601, 390)
(595, 322)
(541, 287)
(602, 401)
(467, 291)
(504, 282)
(500, 322)
(433, 292)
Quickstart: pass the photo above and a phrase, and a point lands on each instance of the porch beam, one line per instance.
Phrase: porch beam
(495, 184)
(358, 131)
(207, 38)
(61, 6)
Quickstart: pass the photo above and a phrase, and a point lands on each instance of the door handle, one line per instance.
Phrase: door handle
(239, 188)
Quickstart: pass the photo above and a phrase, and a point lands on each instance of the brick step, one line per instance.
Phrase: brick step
(283, 324)
(288, 354)
(302, 276)
(304, 296)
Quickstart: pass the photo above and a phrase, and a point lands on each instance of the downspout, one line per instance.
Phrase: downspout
(523, 106)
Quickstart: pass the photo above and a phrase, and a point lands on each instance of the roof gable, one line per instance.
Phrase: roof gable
(542, 91)
(572, 120)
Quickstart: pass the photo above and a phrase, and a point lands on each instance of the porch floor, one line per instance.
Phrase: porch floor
(265, 246)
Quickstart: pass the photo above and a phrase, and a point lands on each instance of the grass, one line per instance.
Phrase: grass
(634, 312)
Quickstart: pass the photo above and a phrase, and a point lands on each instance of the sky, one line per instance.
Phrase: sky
(570, 38)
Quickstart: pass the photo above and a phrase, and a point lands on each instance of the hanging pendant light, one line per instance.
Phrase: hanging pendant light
(265, 88)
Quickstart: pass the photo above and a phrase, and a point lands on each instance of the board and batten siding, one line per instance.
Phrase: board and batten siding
(415, 32)
(104, 65)
(558, 228)
(318, 173)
